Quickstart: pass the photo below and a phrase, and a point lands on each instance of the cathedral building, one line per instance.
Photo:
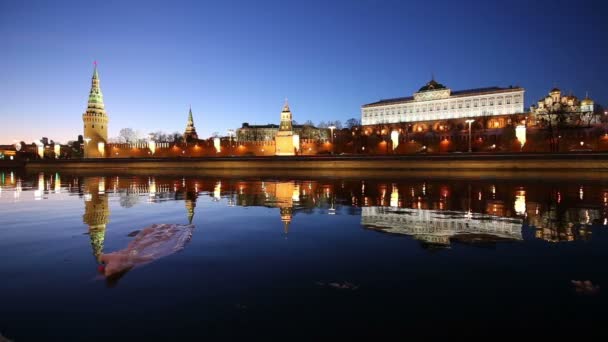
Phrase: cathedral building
(556, 101)
(190, 133)
(434, 101)
(95, 121)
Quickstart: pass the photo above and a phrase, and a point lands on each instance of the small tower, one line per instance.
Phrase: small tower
(95, 121)
(190, 133)
(284, 137)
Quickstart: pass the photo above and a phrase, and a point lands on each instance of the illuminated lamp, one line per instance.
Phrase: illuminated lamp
(395, 139)
(216, 144)
(520, 134)
(152, 146)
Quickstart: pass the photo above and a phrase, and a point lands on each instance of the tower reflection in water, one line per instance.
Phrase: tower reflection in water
(96, 212)
(433, 212)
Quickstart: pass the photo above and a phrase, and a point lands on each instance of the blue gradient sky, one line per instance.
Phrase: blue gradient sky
(236, 61)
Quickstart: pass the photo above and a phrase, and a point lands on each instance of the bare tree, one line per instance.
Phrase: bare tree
(553, 120)
(352, 122)
(177, 137)
(127, 135)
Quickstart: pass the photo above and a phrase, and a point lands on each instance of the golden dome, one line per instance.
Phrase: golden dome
(555, 90)
(587, 102)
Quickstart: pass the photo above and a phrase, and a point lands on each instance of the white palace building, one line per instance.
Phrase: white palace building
(435, 101)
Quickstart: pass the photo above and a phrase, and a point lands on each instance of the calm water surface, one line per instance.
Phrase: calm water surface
(301, 258)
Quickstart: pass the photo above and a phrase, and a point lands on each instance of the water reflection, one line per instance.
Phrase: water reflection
(438, 228)
(435, 212)
(96, 212)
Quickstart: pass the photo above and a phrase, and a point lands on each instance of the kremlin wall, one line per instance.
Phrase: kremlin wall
(435, 120)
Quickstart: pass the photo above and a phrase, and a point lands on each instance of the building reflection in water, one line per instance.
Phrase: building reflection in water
(435, 212)
(438, 228)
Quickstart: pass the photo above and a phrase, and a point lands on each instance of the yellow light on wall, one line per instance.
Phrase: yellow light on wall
(216, 144)
(296, 142)
(57, 149)
(152, 146)
(520, 133)
(40, 148)
(101, 147)
(395, 139)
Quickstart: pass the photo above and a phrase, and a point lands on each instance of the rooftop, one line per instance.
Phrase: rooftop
(458, 93)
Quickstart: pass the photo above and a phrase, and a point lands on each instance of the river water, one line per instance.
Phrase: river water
(119, 257)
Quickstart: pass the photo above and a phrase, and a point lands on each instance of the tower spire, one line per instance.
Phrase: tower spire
(95, 75)
(95, 120)
(190, 133)
(286, 105)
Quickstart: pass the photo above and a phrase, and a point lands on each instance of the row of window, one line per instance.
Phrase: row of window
(396, 118)
(439, 106)
(92, 126)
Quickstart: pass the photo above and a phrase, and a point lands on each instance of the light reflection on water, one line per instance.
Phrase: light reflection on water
(511, 217)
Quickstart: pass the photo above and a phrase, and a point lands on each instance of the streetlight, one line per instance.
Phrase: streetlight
(86, 149)
(331, 129)
(470, 121)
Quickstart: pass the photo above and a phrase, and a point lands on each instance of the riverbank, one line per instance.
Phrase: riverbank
(12, 164)
(470, 165)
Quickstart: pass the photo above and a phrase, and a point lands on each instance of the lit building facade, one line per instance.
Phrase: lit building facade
(95, 120)
(284, 137)
(249, 132)
(434, 101)
(577, 111)
(434, 227)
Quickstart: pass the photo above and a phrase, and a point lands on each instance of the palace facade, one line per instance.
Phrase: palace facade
(434, 101)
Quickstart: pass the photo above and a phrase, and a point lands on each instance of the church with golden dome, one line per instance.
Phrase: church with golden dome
(556, 101)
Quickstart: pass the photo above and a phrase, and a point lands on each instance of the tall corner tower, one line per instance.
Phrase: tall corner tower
(190, 133)
(284, 138)
(95, 121)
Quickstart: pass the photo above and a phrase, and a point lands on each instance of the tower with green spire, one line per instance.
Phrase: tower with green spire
(95, 120)
(190, 133)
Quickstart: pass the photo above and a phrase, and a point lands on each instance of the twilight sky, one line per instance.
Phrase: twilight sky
(236, 61)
